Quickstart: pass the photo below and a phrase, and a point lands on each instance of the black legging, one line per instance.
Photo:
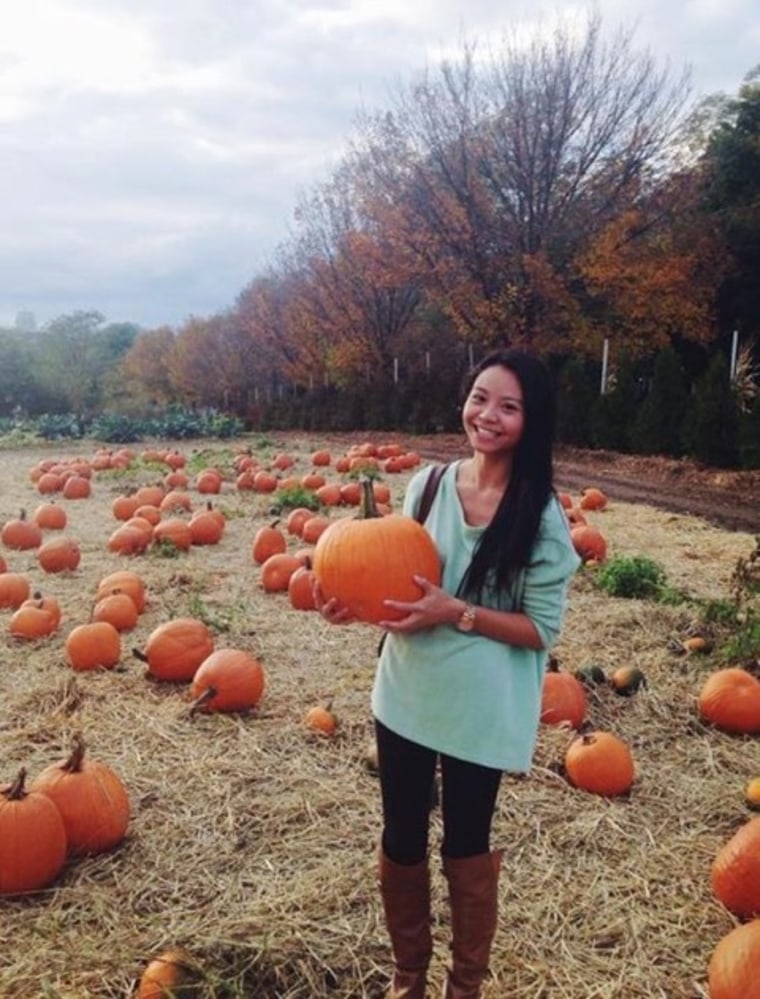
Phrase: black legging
(468, 799)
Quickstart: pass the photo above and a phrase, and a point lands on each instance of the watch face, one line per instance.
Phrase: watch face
(467, 619)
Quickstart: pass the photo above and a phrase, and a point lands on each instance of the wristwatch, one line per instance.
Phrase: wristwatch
(466, 620)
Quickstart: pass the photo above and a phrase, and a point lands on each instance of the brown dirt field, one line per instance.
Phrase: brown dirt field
(252, 842)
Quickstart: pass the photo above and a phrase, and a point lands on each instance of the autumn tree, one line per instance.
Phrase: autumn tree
(142, 380)
(502, 168)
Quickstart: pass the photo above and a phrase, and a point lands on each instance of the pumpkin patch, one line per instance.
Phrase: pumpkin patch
(244, 822)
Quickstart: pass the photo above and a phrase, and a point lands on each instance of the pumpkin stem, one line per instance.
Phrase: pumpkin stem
(16, 790)
(367, 504)
(140, 655)
(200, 700)
(74, 763)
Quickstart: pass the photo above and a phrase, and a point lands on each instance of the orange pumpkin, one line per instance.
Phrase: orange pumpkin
(593, 499)
(118, 609)
(168, 974)
(14, 589)
(364, 560)
(175, 649)
(126, 540)
(207, 526)
(228, 680)
(50, 516)
(320, 719)
(735, 874)
(32, 621)
(59, 555)
(77, 486)
(33, 842)
(313, 528)
(124, 581)
(296, 519)
(589, 542)
(301, 588)
(175, 532)
(600, 763)
(208, 481)
(95, 645)
(91, 798)
(21, 533)
(732, 971)
(563, 698)
(752, 794)
(276, 572)
(267, 541)
(730, 700)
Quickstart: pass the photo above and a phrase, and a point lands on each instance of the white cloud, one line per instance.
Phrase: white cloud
(152, 152)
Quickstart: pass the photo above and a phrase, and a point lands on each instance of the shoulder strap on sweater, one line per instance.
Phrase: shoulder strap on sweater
(428, 493)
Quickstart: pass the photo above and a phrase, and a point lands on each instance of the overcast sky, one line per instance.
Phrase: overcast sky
(152, 151)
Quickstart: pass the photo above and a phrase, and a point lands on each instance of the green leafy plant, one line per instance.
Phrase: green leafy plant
(631, 576)
(289, 499)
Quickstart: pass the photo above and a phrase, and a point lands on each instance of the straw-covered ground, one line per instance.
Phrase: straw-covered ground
(252, 842)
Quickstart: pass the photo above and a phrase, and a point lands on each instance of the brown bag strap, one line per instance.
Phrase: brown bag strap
(429, 492)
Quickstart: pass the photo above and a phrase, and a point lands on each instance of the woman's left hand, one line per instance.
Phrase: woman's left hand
(434, 607)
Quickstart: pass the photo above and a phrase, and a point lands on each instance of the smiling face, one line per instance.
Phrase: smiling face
(493, 414)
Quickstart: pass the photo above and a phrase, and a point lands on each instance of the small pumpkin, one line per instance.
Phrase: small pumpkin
(589, 543)
(174, 531)
(175, 649)
(321, 719)
(21, 533)
(296, 519)
(735, 873)
(364, 560)
(627, 680)
(94, 645)
(732, 971)
(228, 680)
(124, 581)
(14, 589)
(171, 973)
(314, 528)
(268, 541)
(563, 698)
(301, 588)
(600, 763)
(50, 516)
(207, 526)
(33, 843)
(730, 700)
(118, 609)
(92, 800)
(59, 555)
(76, 487)
(593, 499)
(276, 572)
(591, 675)
(752, 794)
(128, 540)
(32, 621)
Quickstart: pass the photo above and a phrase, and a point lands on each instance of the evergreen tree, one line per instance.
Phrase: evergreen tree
(657, 425)
(711, 423)
(576, 393)
(613, 412)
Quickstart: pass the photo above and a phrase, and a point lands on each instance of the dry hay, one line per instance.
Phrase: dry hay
(252, 843)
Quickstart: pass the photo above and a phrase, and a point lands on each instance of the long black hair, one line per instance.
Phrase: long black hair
(506, 544)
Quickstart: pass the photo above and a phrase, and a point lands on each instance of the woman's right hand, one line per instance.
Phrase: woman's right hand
(332, 610)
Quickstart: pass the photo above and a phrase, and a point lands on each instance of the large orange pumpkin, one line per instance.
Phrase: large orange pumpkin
(600, 763)
(91, 798)
(176, 648)
(735, 874)
(95, 645)
(733, 968)
(730, 700)
(59, 555)
(32, 839)
(364, 560)
(228, 680)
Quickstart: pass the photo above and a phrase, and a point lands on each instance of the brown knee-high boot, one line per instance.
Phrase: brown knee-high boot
(473, 896)
(405, 891)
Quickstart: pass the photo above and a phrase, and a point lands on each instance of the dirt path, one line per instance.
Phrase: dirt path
(728, 499)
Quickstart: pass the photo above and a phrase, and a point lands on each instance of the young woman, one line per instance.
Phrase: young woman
(459, 677)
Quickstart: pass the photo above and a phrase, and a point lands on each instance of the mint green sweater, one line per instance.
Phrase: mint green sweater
(462, 694)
